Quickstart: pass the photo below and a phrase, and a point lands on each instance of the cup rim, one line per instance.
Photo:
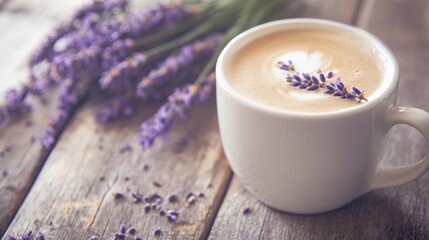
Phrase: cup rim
(385, 92)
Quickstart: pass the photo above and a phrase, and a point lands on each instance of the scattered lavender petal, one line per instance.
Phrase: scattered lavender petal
(171, 218)
(173, 198)
(41, 236)
(120, 236)
(122, 228)
(118, 195)
(125, 147)
(131, 230)
(157, 232)
(246, 210)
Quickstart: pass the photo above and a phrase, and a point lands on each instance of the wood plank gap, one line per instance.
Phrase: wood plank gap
(217, 205)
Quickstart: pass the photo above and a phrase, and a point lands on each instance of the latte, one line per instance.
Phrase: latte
(254, 69)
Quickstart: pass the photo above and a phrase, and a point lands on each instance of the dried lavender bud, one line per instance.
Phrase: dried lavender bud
(125, 147)
(173, 198)
(178, 102)
(157, 232)
(122, 228)
(41, 236)
(138, 238)
(137, 197)
(4, 172)
(10, 237)
(173, 213)
(191, 199)
(146, 167)
(120, 236)
(25, 237)
(356, 91)
(162, 212)
(118, 195)
(93, 238)
(132, 230)
(201, 195)
(171, 218)
(157, 184)
(146, 207)
(182, 61)
(247, 210)
(329, 75)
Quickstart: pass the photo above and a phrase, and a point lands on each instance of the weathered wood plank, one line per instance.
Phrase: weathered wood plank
(70, 190)
(21, 33)
(396, 213)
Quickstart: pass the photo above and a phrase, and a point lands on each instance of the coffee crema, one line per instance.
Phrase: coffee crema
(254, 71)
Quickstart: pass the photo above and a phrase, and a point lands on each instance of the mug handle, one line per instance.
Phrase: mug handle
(394, 176)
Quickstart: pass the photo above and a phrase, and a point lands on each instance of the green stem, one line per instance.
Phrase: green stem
(239, 27)
(178, 29)
(219, 23)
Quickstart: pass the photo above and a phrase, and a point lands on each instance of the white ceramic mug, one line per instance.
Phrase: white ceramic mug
(313, 162)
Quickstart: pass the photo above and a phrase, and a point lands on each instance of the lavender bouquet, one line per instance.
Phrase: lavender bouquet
(134, 56)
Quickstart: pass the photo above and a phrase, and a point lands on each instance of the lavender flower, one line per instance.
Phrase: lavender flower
(130, 67)
(177, 103)
(117, 107)
(97, 7)
(311, 83)
(14, 102)
(185, 58)
(70, 94)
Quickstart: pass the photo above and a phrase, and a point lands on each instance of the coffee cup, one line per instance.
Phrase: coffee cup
(313, 162)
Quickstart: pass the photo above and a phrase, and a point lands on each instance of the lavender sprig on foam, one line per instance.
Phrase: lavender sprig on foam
(314, 82)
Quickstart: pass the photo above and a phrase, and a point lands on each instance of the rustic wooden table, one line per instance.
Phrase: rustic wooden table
(67, 193)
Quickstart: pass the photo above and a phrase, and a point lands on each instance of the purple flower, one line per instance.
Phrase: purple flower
(182, 61)
(130, 67)
(14, 102)
(177, 103)
(117, 107)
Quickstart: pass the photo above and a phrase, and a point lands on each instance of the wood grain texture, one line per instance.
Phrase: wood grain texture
(21, 33)
(395, 213)
(69, 201)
